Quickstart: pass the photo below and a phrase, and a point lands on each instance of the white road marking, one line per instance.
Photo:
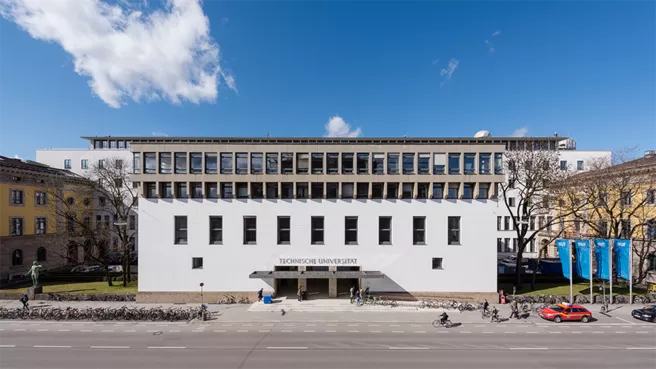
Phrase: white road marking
(151, 330)
(246, 325)
(642, 332)
(220, 331)
(86, 330)
(268, 325)
(331, 325)
(395, 325)
(46, 346)
(355, 325)
(264, 331)
(555, 332)
(523, 326)
(375, 331)
(287, 348)
(309, 331)
(374, 325)
(331, 331)
(641, 348)
(397, 331)
(531, 332)
(528, 348)
(479, 326)
(625, 321)
(242, 331)
(166, 347)
(289, 325)
(286, 331)
(420, 331)
(619, 332)
(63, 330)
(310, 325)
(597, 332)
(419, 325)
(577, 332)
(127, 331)
(6, 346)
(465, 332)
(408, 348)
(108, 330)
(174, 331)
(353, 331)
(509, 332)
(41, 330)
(488, 332)
(109, 347)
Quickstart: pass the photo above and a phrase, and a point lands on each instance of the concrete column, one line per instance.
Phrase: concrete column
(302, 282)
(332, 284)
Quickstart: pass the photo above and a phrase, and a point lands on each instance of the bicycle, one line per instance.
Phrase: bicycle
(437, 323)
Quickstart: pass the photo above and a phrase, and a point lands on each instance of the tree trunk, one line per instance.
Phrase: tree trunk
(518, 270)
(109, 277)
(126, 262)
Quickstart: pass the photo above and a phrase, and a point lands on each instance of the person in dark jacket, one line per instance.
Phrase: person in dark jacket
(259, 294)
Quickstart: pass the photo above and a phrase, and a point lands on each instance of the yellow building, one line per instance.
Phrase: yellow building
(30, 229)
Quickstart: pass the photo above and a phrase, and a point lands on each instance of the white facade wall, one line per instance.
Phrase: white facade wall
(571, 157)
(468, 267)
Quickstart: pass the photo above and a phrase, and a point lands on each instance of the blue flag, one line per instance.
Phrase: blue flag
(583, 258)
(564, 252)
(622, 258)
(603, 259)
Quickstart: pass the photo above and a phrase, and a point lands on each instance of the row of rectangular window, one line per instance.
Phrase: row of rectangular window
(17, 197)
(506, 224)
(306, 163)
(316, 230)
(17, 226)
(84, 164)
(314, 190)
(503, 245)
(111, 144)
(197, 263)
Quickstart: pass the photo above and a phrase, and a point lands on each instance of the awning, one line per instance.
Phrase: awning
(316, 274)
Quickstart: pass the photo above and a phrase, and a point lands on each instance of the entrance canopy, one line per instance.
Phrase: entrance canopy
(316, 274)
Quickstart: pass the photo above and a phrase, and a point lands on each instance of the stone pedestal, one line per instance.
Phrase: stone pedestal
(33, 291)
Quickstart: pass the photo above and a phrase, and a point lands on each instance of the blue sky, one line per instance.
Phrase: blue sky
(583, 69)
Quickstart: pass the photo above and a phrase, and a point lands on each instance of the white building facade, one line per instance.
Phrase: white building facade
(400, 216)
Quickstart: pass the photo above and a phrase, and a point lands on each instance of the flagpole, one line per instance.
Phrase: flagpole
(590, 262)
(630, 273)
(571, 297)
(610, 272)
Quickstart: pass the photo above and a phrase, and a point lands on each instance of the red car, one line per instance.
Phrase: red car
(566, 312)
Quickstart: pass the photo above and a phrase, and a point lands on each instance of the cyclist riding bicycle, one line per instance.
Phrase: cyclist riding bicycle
(444, 317)
(494, 314)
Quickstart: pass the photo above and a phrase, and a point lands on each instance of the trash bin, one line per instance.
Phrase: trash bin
(267, 299)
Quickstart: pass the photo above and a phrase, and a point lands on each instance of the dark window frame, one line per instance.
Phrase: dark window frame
(181, 230)
(317, 232)
(216, 230)
(284, 230)
(384, 230)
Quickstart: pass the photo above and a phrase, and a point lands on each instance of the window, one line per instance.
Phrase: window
(498, 163)
(454, 230)
(112, 144)
(257, 163)
(132, 222)
(419, 230)
(84, 164)
(506, 223)
(392, 190)
(196, 190)
(16, 197)
(511, 202)
(121, 144)
(515, 245)
(437, 263)
(180, 230)
(242, 162)
(347, 190)
(196, 162)
(226, 163)
(242, 190)
(650, 230)
(272, 163)
(17, 257)
(181, 190)
(423, 164)
(40, 198)
(302, 191)
(625, 199)
(499, 245)
(651, 197)
(216, 230)
(41, 254)
(454, 189)
(150, 163)
(422, 190)
(438, 190)
(563, 164)
(483, 191)
(626, 231)
(211, 163)
(211, 190)
(317, 190)
(316, 235)
(287, 163)
(347, 163)
(97, 144)
(226, 190)
(302, 163)
(40, 225)
(101, 164)
(484, 163)
(196, 263)
(362, 191)
(506, 245)
(165, 163)
(408, 163)
(377, 190)
(250, 230)
(272, 190)
(378, 164)
(363, 163)
(549, 223)
(439, 163)
(67, 163)
(384, 230)
(136, 163)
(105, 144)
(499, 223)
(392, 163)
(454, 163)
(579, 165)
(468, 191)
(165, 190)
(351, 230)
(287, 191)
(470, 163)
(332, 190)
(150, 190)
(332, 163)
(284, 232)
(408, 191)
(257, 190)
(540, 222)
(317, 163)
(71, 200)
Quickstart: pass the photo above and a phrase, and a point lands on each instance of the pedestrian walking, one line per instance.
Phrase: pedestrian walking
(24, 299)
(259, 294)
(357, 297)
(513, 310)
(352, 290)
(366, 293)
(300, 293)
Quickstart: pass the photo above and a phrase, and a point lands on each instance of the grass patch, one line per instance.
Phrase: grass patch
(90, 288)
(561, 289)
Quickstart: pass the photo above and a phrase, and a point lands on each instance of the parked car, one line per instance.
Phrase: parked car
(566, 312)
(647, 313)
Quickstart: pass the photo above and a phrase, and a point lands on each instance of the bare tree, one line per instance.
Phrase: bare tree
(531, 197)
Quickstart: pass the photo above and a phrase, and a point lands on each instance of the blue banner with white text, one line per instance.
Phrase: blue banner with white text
(564, 252)
(622, 258)
(603, 259)
(583, 258)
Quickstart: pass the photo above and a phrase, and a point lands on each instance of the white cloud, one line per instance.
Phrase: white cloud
(491, 49)
(450, 69)
(520, 132)
(337, 127)
(159, 134)
(496, 33)
(436, 61)
(127, 53)
(17, 157)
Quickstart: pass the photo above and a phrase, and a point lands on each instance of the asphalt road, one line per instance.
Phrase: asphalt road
(75, 345)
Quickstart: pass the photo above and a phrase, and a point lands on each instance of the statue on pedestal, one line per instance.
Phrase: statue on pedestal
(34, 272)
